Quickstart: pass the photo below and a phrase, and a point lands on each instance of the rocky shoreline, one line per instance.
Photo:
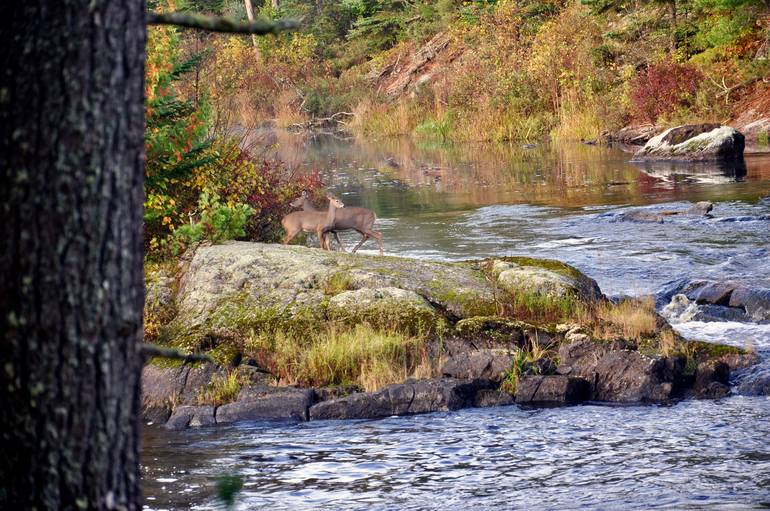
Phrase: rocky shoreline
(495, 332)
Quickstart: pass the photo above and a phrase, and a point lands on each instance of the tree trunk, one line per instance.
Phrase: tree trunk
(71, 280)
(674, 23)
(250, 15)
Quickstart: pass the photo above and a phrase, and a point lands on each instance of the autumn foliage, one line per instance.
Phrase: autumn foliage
(662, 88)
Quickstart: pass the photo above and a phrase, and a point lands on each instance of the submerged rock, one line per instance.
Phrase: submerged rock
(699, 142)
(412, 397)
(755, 386)
(191, 416)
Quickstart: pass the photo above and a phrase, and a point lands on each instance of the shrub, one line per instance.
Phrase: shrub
(663, 88)
(218, 222)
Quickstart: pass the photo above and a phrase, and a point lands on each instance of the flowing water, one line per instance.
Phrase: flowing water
(565, 202)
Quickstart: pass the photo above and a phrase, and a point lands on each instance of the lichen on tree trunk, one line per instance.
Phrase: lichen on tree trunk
(71, 285)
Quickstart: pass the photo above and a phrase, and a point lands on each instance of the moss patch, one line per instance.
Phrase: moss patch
(546, 264)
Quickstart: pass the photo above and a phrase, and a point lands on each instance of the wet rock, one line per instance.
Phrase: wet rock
(484, 364)
(701, 142)
(552, 390)
(712, 377)
(755, 386)
(190, 416)
(412, 397)
(261, 402)
(737, 361)
(717, 293)
(650, 215)
(620, 375)
(487, 398)
(164, 387)
(327, 393)
(755, 301)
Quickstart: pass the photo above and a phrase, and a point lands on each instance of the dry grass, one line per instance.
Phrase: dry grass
(222, 389)
(361, 356)
(630, 319)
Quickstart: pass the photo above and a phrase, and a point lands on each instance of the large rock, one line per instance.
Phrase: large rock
(191, 416)
(701, 142)
(551, 390)
(621, 375)
(485, 364)
(547, 278)
(262, 402)
(164, 388)
(412, 397)
(712, 379)
(755, 386)
(237, 287)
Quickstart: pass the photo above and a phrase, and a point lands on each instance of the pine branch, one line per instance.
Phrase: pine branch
(153, 350)
(219, 24)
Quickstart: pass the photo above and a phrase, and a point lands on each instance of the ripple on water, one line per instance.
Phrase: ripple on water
(587, 457)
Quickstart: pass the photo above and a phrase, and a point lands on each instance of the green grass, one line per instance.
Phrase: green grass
(221, 390)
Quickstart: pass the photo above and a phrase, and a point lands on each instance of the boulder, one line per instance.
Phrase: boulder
(191, 416)
(700, 142)
(412, 397)
(755, 301)
(755, 386)
(262, 402)
(552, 390)
(654, 215)
(621, 375)
(166, 387)
(483, 364)
(635, 135)
(547, 278)
(486, 398)
(389, 307)
(712, 379)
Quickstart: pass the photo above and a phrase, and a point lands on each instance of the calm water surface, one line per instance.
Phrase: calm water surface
(566, 202)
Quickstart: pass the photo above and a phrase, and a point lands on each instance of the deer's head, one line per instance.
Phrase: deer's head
(296, 203)
(334, 201)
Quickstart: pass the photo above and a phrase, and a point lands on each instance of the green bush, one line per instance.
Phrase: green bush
(218, 223)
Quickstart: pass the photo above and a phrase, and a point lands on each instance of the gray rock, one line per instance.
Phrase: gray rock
(636, 135)
(518, 278)
(620, 375)
(261, 402)
(484, 364)
(755, 301)
(190, 416)
(552, 390)
(702, 142)
(412, 397)
(737, 361)
(756, 386)
(487, 398)
(709, 373)
(164, 387)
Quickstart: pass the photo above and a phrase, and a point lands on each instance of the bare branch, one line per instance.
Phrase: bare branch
(153, 350)
(219, 24)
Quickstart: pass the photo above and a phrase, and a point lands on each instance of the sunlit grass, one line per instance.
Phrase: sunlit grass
(361, 355)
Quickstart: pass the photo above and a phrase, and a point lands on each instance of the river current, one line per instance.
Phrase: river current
(565, 202)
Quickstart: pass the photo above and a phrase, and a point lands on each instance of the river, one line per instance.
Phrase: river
(563, 202)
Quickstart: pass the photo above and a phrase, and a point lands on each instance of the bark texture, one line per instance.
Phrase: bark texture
(71, 285)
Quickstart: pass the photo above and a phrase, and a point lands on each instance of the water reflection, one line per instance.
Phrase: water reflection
(678, 173)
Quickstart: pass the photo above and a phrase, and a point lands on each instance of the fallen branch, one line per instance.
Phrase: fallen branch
(153, 350)
(219, 24)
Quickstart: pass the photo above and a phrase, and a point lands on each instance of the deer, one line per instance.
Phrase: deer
(319, 222)
(354, 218)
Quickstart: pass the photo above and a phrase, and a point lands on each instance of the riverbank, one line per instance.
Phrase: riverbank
(302, 334)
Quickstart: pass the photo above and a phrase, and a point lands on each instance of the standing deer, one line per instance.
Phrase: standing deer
(319, 222)
(354, 218)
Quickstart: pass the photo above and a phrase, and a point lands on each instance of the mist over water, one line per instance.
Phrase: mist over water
(564, 202)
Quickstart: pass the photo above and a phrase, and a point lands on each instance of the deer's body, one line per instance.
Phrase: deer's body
(354, 218)
(312, 221)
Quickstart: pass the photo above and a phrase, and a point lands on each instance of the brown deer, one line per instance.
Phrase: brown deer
(354, 218)
(319, 222)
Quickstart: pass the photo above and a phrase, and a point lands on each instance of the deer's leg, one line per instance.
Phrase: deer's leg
(323, 239)
(290, 236)
(378, 237)
(363, 239)
(339, 242)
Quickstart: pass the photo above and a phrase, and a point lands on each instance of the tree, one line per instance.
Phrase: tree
(71, 278)
(71, 266)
